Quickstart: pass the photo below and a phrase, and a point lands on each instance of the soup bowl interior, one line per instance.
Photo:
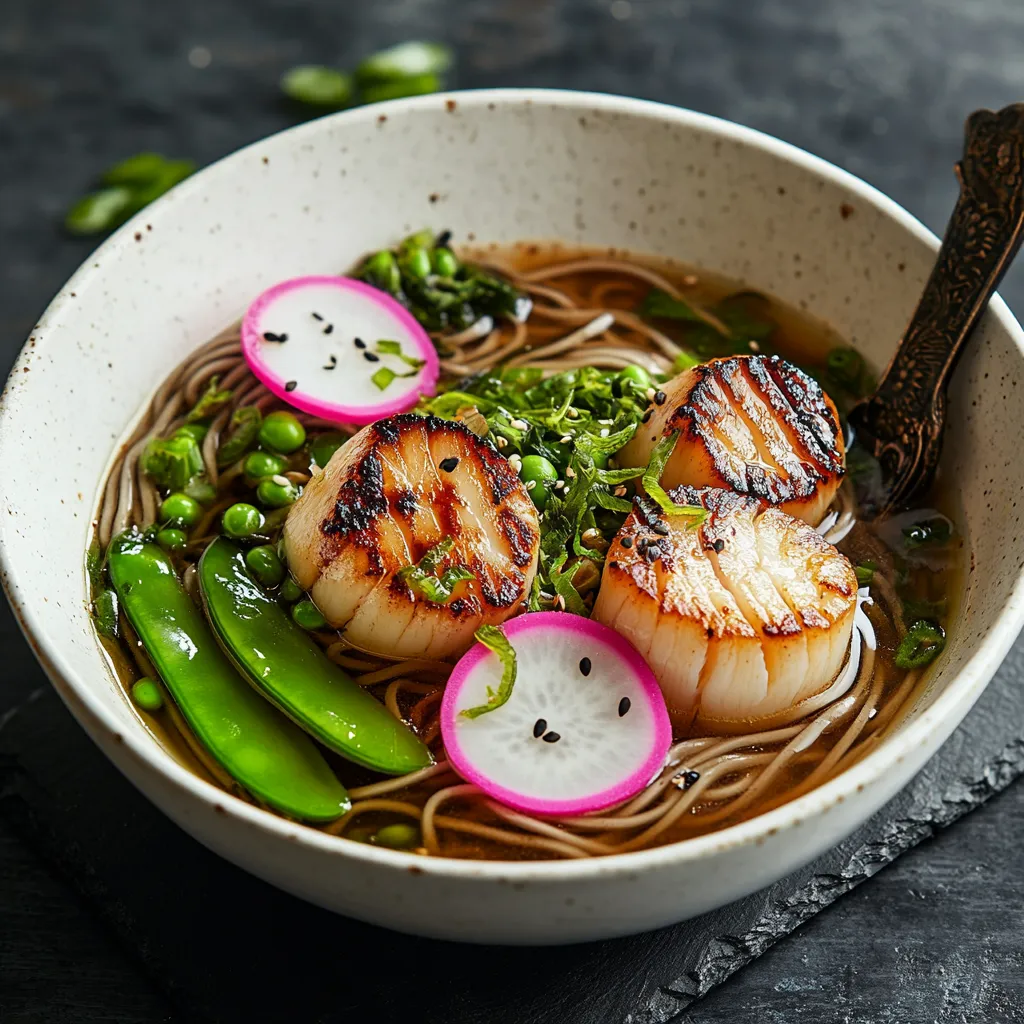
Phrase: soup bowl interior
(492, 167)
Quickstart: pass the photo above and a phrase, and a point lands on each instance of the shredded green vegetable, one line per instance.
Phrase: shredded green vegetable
(493, 638)
(245, 428)
(211, 401)
(652, 483)
(921, 646)
(423, 578)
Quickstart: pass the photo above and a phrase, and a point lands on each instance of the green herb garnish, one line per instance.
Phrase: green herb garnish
(245, 427)
(494, 639)
(211, 401)
(921, 646)
(317, 86)
(652, 483)
(394, 348)
(865, 572)
(422, 578)
(407, 60)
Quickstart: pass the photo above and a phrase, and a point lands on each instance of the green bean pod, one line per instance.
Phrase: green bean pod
(257, 746)
(288, 668)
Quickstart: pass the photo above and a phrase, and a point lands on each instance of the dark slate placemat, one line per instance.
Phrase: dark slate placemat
(251, 952)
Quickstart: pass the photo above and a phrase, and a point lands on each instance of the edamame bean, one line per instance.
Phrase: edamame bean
(147, 694)
(541, 473)
(282, 432)
(416, 263)
(381, 270)
(290, 590)
(180, 510)
(262, 464)
(273, 494)
(444, 262)
(242, 520)
(401, 836)
(308, 616)
(172, 540)
(264, 564)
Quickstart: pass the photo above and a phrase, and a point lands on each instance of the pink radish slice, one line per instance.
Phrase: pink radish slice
(313, 341)
(577, 681)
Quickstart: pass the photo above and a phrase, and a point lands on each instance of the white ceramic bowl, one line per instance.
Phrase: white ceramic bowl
(502, 166)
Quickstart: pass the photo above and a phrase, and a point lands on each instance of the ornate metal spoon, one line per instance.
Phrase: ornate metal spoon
(901, 423)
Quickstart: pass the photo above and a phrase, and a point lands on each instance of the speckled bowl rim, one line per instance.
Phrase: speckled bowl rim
(962, 691)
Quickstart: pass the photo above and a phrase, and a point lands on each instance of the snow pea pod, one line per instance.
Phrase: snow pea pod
(255, 744)
(288, 668)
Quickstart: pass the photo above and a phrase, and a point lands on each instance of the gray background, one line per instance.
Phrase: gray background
(879, 88)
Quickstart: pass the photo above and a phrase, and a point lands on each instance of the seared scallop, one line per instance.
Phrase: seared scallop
(389, 496)
(752, 424)
(740, 618)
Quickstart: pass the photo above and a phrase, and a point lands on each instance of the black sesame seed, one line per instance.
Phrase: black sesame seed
(291, 385)
(449, 464)
(641, 544)
(613, 565)
(585, 666)
(551, 737)
(271, 336)
(539, 728)
(317, 316)
(661, 528)
(659, 397)
(653, 553)
(332, 364)
(359, 343)
(646, 416)
(624, 706)
(328, 329)
(626, 542)
(690, 778)
(371, 358)
(719, 545)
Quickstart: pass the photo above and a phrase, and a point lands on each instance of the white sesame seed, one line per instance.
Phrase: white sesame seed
(519, 424)
(605, 431)
(559, 483)
(650, 394)
(607, 423)
(515, 462)
(281, 481)
(530, 484)
(502, 442)
(565, 439)
(754, 347)
(572, 412)
(620, 491)
(560, 602)
(570, 473)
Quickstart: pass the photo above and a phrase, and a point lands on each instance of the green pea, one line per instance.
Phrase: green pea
(180, 510)
(400, 836)
(381, 270)
(416, 263)
(282, 432)
(444, 262)
(290, 590)
(171, 539)
(307, 615)
(197, 431)
(147, 694)
(242, 520)
(264, 564)
(539, 472)
(262, 464)
(272, 494)
(636, 375)
(324, 446)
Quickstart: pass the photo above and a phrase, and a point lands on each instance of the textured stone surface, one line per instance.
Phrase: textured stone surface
(878, 87)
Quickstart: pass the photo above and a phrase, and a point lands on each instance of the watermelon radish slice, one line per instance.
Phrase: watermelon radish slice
(338, 349)
(585, 726)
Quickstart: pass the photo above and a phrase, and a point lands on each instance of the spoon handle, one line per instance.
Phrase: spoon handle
(904, 417)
